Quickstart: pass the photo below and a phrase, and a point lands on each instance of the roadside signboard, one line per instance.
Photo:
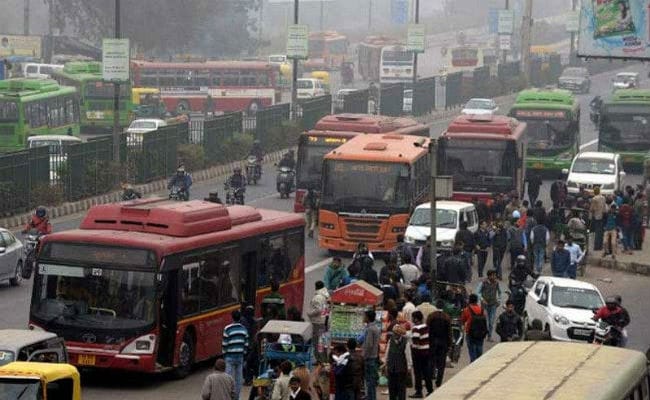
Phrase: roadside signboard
(416, 38)
(16, 45)
(572, 21)
(504, 42)
(615, 29)
(298, 42)
(506, 22)
(115, 60)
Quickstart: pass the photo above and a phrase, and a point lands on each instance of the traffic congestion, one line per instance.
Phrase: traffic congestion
(357, 215)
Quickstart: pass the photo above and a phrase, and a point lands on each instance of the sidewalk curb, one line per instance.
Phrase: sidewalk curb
(625, 266)
(70, 208)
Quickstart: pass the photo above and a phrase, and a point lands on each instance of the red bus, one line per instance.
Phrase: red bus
(330, 47)
(233, 85)
(484, 154)
(332, 131)
(149, 285)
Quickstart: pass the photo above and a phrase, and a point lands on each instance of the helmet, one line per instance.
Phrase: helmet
(237, 170)
(180, 169)
(611, 300)
(41, 212)
(516, 214)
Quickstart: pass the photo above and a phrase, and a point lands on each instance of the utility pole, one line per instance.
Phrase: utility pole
(415, 53)
(321, 22)
(294, 72)
(26, 18)
(526, 27)
(572, 52)
(116, 94)
(433, 149)
(369, 16)
(504, 52)
(260, 29)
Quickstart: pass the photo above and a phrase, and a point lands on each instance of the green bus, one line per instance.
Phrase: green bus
(624, 126)
(553, 133)
(551, 370)
(31, 107)
(95, 96)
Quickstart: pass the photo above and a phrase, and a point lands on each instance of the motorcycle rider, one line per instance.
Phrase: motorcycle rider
(510, 326)
(613, 314)
(182, 180)
(237, 181)
(288, 161)
(595, 104)
(129, 193)
(258, 152)
(520, 272)
(39, 222)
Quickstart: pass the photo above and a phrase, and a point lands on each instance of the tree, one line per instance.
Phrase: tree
(213, 28)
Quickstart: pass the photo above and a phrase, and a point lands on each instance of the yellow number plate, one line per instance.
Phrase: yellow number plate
(86, 359)
(538, 165)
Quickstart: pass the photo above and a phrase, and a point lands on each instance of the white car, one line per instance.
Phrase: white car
(625, 80)
(565, 307)
(309, 87)
(449, 215)
(57, 148)
(591, 169)
(139, 127)
(11, 258)
(480, 107)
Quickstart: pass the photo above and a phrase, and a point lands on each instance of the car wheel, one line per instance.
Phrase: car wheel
(18, 274)
(185, 357)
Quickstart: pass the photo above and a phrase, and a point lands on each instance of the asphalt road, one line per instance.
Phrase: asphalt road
(14, 301)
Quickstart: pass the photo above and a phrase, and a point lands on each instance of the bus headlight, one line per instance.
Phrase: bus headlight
(142, 345)
(398, 229)
(327, 226)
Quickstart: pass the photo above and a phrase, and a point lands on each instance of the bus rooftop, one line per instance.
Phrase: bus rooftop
(630, 96)
(389, 147)
(539, 97)
(484, 127)
(365, 123)
(25, 88)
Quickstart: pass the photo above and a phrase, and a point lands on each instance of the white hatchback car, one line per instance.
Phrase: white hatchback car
(11, 258)
(565, 307)
(480, 107)
(591, 169)
(449, 215)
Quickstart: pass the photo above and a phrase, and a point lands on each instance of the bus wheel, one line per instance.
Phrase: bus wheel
(185, 357)
(182, 107)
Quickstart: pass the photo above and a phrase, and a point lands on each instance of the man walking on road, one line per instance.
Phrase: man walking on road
(318, 311)
(482, 240)
(473, 317)
(311, 202)
(219, 385)
(234, 345)
(370, 348)
(489, 292)
(560, 260)
(539, 237)
(597, 211)
(576, 257)
(439, 339)
(421, 359)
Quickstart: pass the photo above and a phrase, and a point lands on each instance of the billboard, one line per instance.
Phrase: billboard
(14, 45)
(614, 29)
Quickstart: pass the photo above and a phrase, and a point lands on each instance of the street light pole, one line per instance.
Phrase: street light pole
(321, 22)
(294, 72)
(26, 18)
(369, 15)
(415, 55)
(504, 53)
(572, 52)
(433, 261)
(116, 94)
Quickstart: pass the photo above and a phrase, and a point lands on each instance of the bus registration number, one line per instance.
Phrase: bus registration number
(95, 114)
(86, 359)
(538, 165)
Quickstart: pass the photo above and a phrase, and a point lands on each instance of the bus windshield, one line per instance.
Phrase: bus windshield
(8, 111)
(20, 389)
(101, 90)
(310, 164)
(548, 135)
(626, 131)
(396, 57)
(377, 186)
(464, 159)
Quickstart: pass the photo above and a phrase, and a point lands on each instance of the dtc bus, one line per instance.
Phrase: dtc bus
(553, 127)
(212, 85)
(570, 371)
(484, 154)
(329, 46)
(397, 65)
(149, 285)
(332, 131)
(463, 58)
(369, 56)
(31, 107)
(371, 184)
(625, 125)
(95, 96)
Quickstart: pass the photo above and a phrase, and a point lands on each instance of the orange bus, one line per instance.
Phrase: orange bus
(332, 131)
(329, 46)
(370, 186)
(149, 285)
(485, 155)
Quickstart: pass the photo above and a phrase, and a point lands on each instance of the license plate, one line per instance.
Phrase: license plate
(95, 114)
(86, 359)
(582, 332)
(538, 165)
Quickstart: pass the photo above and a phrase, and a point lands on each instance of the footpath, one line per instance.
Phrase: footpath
(636, 263)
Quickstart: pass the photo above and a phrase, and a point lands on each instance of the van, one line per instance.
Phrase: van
(31, 345)
(57, 145)
(309, 87)
(42, 71)
(449, 215)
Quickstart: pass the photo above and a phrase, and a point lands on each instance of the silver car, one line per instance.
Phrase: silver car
(11, 258)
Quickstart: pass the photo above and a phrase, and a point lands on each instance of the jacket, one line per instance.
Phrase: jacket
(465, 236)
(398, 355)
(454, 268)
(334, 277)
(597, 207)
(281, 390)
(370, 345)
(42, 225)
(482, 239)
(183, 182)
(625, 215)
(489, 293)
(509, 325)
(301, 395)
(499, 238)
(466, 315)
(318, 306)
(539, 236)
(560, 261)
(439, 325)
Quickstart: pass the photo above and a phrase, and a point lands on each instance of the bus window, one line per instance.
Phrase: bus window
(8, 112)
(189, 288)
(294, 249)
(219, 279)
(279, 263)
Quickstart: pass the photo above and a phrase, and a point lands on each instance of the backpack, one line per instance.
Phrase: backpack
(478, 328)
(516, 242)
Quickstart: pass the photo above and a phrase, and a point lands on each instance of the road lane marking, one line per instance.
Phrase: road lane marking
(589, 143)
(318, 265)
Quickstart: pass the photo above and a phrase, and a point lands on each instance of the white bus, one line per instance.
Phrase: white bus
(397, 64)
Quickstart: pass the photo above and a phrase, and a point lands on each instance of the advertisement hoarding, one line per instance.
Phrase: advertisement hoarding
(614, 29)
(572, 21)
(415, 38)
(15, 45)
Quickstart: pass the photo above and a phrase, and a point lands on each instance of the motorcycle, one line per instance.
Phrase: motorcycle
(31, 241)
(253, 169)
(517, 294)
(284, 181)
(458, 337)
(234, 196)
(594, 115)
(606, 334)
(177, 194)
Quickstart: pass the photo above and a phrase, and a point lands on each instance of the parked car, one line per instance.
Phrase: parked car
(565, 307)
(309, 87)
(339, 100)
(625, 80)
(590, 169)
(31, 345)
(576, 79)
(449, 215)
(407, 106)
(57, 147)
(41, 71)
(11, 258)
(480, 107)
(139, 127)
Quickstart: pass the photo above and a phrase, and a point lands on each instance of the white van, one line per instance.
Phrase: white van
(449, 215)
(36, 70)
(57, 148)
(309, 87)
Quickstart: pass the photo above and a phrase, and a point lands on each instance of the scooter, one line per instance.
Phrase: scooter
(606, 334)
(234, 196)
(284, 182)
(177, 194)
(253, 170)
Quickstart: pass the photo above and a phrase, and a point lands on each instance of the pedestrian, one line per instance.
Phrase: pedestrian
(335, 274)
(498, 207)
(420, 355)
(499, 241)
(517, 240)
(625, 222)
(389, 289)
(367, 272)
(409, 306)
(440, 339)
(362, 251)
(342, 373)
(296, 391)
(539, 212)
(610, 235)
(274, 299)
(219, 385)
(410, 272)
(539, 239)
(454, 267)
(476, 329)
(281, 389)
(523, 210)
(399, 363)
(536, 332)
(234, 346)
(464, 236)
(251, 361)
(489, 292)
(318, 313)
(559, 191)
(637, 221)
(482, 210)
(510, 326)
(560, 260)
(423, 259)
(512, 206)
(534, 183)
(482, 240)
(356, 368)
(401, 250)
(311, 202)
(370, 350)
(576, 257)
(391, 272)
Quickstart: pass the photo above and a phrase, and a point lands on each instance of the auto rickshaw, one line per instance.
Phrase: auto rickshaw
(278, 341)
(324, 77)
(35, 380)
(147, 103)
(347, 72)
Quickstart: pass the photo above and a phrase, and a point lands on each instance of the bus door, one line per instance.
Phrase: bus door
(168, 292)
(249, 263)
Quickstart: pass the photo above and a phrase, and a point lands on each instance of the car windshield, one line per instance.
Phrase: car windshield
(53, 145)
(304, 84)
(571, 297)
(6, 357)
(143, 125)
(479, 104)
(20, 389)
(593, 166)
(444, 218)
(573, 72)
(545, 135)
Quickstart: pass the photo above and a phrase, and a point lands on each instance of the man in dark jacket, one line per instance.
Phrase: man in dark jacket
(466, 237)
(356, 368)
(455, 267)
(560, 260)
(510, 326)
(482, 209)
(482, 240)
(559, 191)
(534, 183)
(368, 272)
(499, 240)
(440, 339)
(539, 237)
(539, 212)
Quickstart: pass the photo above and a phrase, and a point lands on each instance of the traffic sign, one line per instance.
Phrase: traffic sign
(399, 11)
(298, 41)
(493, 20)
(504, 42)
(415, 38)
(572, 21)
(115, 60)
(506, 22)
